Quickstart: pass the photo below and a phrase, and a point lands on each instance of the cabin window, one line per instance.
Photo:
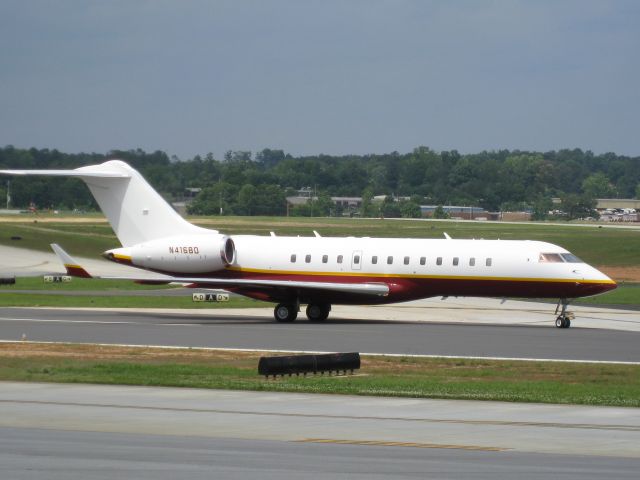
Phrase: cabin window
(356, 259)
(339, 258)
(423, 260)
(293, 258)
(389, 260)
(472, 262)
(406, 260)
(570, 258)
(439, 261)
(307, 259)
(374, 259)
(549, 258)
(325, 258)
(456, 260)
(488, 262)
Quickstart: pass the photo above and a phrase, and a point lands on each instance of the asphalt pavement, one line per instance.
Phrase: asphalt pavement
(55, 431)
(189, 328)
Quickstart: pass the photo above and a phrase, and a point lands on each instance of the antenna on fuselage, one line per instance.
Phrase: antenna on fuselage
(316, 234)
(446, 235)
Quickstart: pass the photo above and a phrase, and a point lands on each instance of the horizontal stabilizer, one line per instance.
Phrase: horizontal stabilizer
(68, 173)
(73, 268)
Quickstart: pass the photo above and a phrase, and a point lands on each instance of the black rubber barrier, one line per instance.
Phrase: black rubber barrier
(7, 280)
(297, 364)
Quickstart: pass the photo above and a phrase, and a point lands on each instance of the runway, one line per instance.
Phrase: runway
(236, 329)
(89, 432)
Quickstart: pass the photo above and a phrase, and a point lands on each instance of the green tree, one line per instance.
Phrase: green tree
(322, 206)
(598, 185)
(246, 202)
(440, 213)
(390, 208)
(368, 209)
(269, 200)
(410, 209)
(578, 206)
(541, 208)
(215, 200)
(270, 158)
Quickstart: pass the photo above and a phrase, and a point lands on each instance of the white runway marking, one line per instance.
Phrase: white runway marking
(313, 352)
(50, 320)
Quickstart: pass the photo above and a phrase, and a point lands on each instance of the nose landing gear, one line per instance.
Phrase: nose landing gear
(564, 319)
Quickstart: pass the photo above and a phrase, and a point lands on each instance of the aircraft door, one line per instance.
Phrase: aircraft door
(356, 260)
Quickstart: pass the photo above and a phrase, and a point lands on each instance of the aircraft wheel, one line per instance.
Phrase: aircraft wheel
(317, 312)
(568, 323)
(560, 322)
(285, 313)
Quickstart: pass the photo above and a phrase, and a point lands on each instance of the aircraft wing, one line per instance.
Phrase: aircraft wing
(364, 288)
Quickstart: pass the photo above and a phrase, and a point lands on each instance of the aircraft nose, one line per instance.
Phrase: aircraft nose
(606, 287)
(595, 288)
(598, 283)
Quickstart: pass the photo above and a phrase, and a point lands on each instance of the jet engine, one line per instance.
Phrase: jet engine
(192, 254)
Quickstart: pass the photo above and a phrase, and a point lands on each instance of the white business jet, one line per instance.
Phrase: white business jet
(321, 271)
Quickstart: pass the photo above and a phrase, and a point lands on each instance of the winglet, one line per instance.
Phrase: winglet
(72, 267)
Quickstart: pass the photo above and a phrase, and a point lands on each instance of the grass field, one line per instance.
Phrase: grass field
(540, 382)
(120, 301)
(79, 284)
(77, 294)
(627, 294)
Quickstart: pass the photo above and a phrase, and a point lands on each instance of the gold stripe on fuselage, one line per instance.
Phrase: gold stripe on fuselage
(415, 276)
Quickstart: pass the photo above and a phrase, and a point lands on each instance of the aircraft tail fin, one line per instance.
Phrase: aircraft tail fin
(74, 269)
(136, 212)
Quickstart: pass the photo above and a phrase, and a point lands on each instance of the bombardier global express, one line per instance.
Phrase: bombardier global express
(321, 271)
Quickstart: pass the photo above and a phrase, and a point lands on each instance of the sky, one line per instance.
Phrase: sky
(325, 76)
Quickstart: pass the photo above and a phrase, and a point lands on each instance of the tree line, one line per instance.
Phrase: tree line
(243, 183)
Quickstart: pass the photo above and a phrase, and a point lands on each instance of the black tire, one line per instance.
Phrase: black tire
(285, 313)
(317, 312)
(568, 323)
(560, 322)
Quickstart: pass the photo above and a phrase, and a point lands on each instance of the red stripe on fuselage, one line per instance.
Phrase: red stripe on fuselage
(413, 288)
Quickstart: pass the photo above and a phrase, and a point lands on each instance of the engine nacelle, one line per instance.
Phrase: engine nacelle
(180, 254)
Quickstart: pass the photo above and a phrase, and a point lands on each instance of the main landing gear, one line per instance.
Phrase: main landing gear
(564, 319)
(288, 312)
(318, 312)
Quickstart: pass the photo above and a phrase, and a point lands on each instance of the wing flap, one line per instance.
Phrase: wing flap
(376, 289)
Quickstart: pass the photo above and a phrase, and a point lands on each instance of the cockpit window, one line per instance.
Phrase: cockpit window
(570, 258)
(550, 258)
